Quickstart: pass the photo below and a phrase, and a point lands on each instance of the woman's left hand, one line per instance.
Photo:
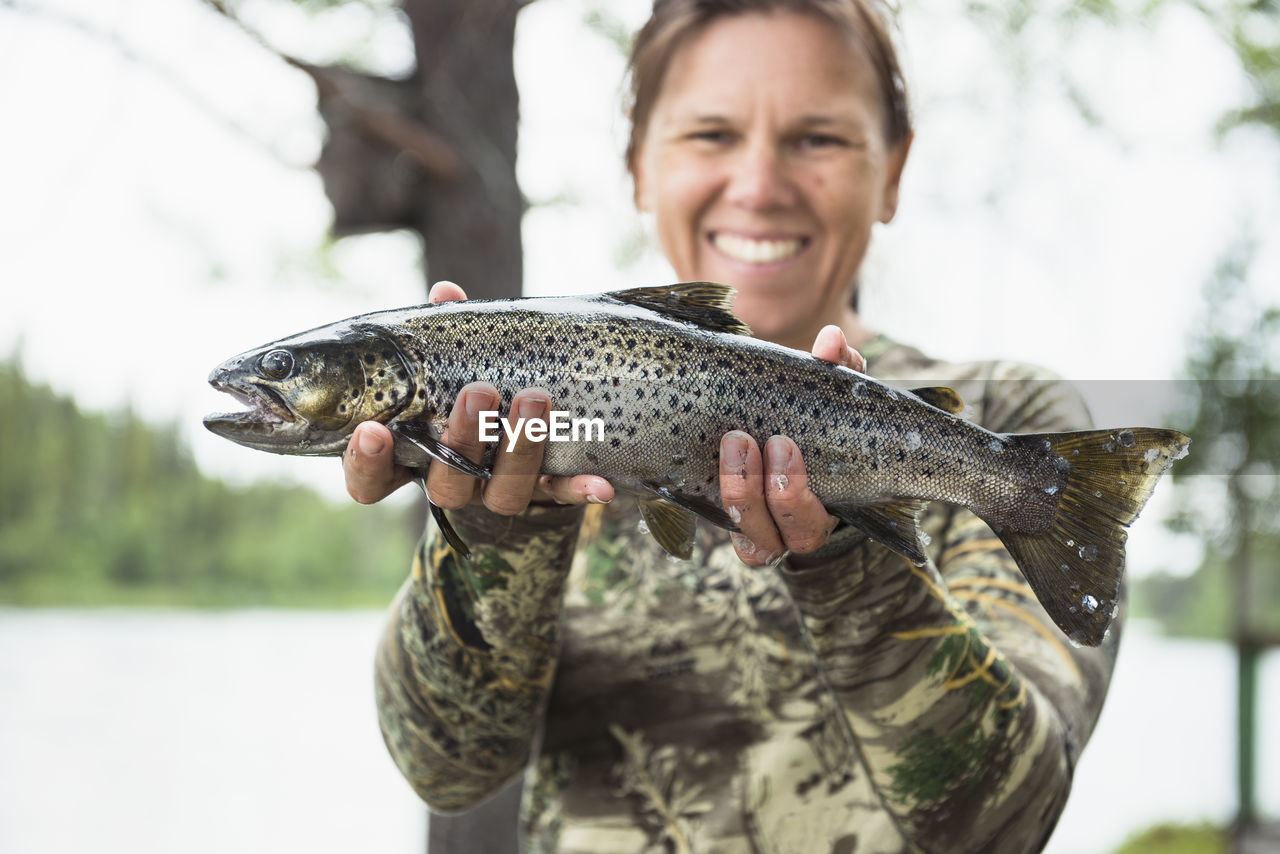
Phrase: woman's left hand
(768, 494)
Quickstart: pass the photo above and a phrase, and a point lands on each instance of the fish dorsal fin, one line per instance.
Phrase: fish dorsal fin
(671, 526)
(706, 304)
(943, 398)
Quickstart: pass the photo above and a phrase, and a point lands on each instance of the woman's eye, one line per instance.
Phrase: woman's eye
(715, 137)
(820, 140)
(277, 364)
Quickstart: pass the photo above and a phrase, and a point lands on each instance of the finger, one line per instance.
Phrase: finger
(515, 470)
(581, 489)
(446, 292)
(447, 487)
(368, 464)
(742, 495)
(831, 346)
(802, 522)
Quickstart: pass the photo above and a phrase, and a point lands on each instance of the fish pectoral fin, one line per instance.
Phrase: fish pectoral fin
(447, 530)
(705, 303)
(671, 526)
(892, 524)
(700, 507)
(943, 398)
(416, 448)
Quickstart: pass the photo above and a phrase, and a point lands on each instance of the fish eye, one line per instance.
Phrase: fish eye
(277, 364)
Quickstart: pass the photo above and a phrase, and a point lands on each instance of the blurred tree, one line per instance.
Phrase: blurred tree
(434, 151)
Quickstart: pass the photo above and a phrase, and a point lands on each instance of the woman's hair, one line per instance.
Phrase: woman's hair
(864, 22)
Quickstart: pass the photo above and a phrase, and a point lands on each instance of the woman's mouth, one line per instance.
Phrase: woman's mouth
(752, 250)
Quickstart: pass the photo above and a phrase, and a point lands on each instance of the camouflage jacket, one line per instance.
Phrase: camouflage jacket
(863, 705)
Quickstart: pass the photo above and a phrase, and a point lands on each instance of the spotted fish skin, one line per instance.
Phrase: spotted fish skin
(670, 370)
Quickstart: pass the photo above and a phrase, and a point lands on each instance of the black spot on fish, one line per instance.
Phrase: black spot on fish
(422, 394)
(614, 443)
(378, 397)
(369, 359)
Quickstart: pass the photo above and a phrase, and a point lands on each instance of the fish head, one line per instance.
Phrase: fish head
(305, 395)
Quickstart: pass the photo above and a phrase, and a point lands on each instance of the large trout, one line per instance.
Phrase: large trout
(668, 371)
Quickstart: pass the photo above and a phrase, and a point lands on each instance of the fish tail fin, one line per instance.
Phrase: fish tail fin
(1076, 564)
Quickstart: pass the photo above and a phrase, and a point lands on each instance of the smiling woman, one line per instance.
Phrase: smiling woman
(795, 686)
(770, 177)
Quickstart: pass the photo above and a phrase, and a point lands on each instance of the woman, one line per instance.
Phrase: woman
(837, 699)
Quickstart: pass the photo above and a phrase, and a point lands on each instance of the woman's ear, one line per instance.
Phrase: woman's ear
(893, 177)
(639, 187)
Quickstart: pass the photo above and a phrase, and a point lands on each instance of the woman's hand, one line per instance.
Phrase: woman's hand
(768, 494)
(372, 474)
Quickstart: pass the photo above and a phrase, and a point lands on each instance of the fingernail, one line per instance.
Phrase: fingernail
(777, 455)
(477, 402)
(532, 407)
(742, 544)
(734, 448)
(592, 498)
(370, 443)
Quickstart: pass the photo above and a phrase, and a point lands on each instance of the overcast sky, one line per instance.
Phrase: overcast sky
(158, 214)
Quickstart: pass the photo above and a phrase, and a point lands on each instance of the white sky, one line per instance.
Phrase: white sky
(143, 239)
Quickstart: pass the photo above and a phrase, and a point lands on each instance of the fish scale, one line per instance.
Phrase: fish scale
(669, 371)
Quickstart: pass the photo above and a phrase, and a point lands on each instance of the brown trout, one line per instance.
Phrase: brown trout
(669, 370)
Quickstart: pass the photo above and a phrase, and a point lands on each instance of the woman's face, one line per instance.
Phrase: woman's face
(764, 164)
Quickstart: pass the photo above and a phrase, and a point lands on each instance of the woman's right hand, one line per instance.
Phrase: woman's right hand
(372, 474)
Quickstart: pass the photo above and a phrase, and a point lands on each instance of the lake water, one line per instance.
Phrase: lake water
(254, 731)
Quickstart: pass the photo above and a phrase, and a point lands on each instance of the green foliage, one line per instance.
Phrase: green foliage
(106, 509)
(1229, 487)
(1177, 839)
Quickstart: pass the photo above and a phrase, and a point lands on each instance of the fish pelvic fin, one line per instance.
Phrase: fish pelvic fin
(706, 304)
(1076, 565)
(671, 526)
(895, 524)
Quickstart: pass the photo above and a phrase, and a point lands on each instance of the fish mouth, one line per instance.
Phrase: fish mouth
(266, 411)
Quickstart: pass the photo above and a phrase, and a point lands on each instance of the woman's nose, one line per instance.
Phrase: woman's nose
(758, 179)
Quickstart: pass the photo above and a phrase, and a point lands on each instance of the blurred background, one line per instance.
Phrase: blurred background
(187, 627)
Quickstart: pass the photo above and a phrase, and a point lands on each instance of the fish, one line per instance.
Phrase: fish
(668, 370)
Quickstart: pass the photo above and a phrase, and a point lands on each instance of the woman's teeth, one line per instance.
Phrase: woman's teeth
(755, 251)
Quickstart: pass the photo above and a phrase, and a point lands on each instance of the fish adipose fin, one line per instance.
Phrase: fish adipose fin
(416, 448)
(942, 398)
(892, 524)
(706, 304)
(1075, 566)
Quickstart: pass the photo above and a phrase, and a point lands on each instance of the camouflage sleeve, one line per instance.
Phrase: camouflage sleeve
(466, 662)
(967, 707)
